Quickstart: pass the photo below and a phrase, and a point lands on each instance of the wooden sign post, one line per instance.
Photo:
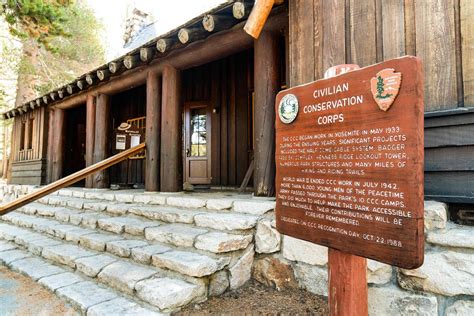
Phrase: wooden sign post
(349, 159)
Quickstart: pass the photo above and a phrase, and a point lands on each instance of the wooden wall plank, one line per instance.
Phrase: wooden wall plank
(410, 27)
(467, 49)
(215, 121)
(435, 44)
(363, 32)
(449, 158)
(224, 126)
(334, 35)
(90, 136)
(301, 16)
(232, 121)
(449, 136)
(318, 38)
(393, 29)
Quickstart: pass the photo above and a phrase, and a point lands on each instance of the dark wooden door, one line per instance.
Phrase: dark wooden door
(197, 124)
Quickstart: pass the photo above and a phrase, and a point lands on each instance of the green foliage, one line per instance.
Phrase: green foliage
(41, 20)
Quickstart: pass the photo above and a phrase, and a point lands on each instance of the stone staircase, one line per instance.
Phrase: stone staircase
(118, 252)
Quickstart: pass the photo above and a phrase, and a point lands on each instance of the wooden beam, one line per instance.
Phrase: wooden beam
(90, 79)
(103, 74)
(258, 17)
(240, 10)
(81, 84)
(185, 35)
(164, 44)
(45, 99)
(267, 85)
(32, 105)
(71, 179)
(61, 93)
(38, 102)
(70, 89)
(215, 23)
(153, 132)
(101, 142)
(50, 148)
(131, 61)
(146, 54)
(58, 144)
(216, 46)
(115, 67)
(171, 131)
(53, 95)
(90, 136)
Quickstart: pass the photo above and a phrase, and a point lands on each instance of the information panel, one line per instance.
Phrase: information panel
(349, 162)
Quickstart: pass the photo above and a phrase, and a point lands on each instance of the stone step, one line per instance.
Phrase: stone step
(117, 245)
(230, 221)
(86, 295)
(123, 276)
(178, 235)
(236, 202)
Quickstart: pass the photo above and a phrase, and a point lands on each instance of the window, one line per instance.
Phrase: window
(22, 135)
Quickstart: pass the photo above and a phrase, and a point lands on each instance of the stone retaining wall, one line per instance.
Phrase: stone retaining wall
(444, 285)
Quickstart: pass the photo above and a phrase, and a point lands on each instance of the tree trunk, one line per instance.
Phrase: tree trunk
(27, 79)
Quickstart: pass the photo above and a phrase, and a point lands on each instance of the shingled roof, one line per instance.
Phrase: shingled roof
(199, 28)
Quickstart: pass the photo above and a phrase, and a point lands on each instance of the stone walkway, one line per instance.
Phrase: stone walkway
(118, 252)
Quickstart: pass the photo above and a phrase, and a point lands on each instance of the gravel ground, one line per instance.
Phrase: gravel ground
(256, 299)
(20, 295)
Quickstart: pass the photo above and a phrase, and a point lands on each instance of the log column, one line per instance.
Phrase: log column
(49, 150)
(102, 113)
(267, 85)
(57, 150)
(153, 131)
(90, 136)
(171, 131)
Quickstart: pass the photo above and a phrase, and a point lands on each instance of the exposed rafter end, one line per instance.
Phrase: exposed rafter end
(103, 74)
(131, 61)
(146, 54)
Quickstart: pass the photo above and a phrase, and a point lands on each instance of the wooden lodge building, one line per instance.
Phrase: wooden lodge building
(202, 96)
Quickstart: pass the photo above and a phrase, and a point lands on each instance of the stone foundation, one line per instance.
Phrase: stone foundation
(444, 285)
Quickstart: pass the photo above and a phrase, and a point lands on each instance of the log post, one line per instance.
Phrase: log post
(90, 136)
(58, 145)
(267, 85)
(101, 178)
(346, 273)
(171, 131)
(49, 150)
(153, 131)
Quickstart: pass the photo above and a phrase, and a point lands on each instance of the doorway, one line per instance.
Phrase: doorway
(75, 141)
(197, 131)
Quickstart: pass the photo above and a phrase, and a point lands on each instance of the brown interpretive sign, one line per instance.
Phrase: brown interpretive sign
(349, 162)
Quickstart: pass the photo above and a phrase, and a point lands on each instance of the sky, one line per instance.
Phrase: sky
(168, 14)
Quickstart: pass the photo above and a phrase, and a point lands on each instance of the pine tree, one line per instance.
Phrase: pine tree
(381, 89)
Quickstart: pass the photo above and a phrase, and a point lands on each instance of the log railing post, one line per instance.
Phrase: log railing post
(58, 145)
(171, 131)
(90, 135)
(153, 132)
(267, 85)
(102, 112)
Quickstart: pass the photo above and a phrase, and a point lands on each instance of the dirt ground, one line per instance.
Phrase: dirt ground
(256, 299)
(20, 295)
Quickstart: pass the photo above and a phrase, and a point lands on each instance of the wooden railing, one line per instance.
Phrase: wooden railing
(71, 179)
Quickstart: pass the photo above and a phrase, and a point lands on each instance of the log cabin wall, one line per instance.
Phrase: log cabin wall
(28, 152)
(326, 33)
(226, 85)
(127, 105)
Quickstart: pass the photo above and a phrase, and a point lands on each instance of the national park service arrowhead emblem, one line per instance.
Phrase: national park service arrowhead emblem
(385, 86)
